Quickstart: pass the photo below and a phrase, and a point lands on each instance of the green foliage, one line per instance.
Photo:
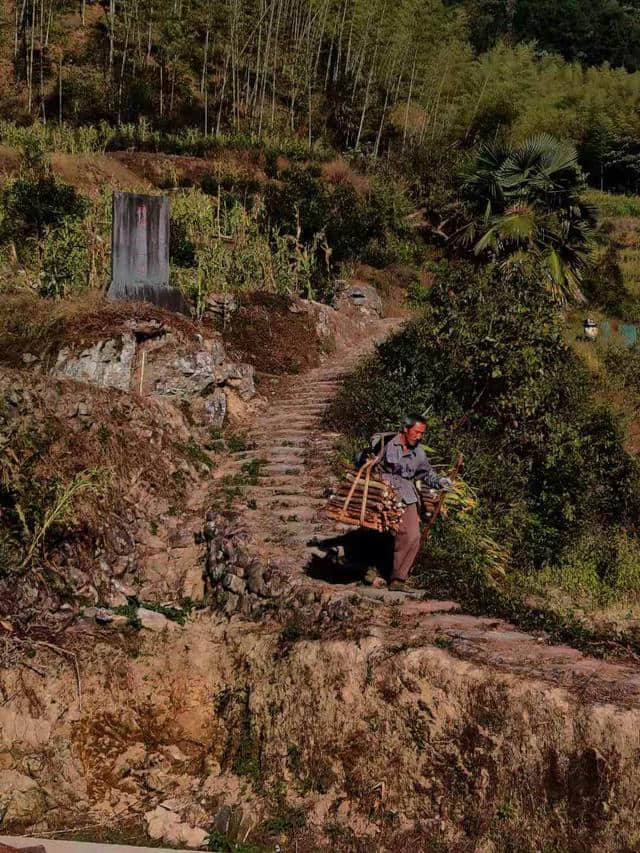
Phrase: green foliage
(610, 204)
(592, 31)
(248, 754)
(604, 286)
(221, 844)
(35, 507)
(252, 469)
(198, 457)
(105, 136)
(225, 249)
(286, 819)
(236, 443)
(34, 204)
(599, 568)
(488, 365)
(130, 611)
(233, 486)
(527, 201)
(65, 261)
(338, 223)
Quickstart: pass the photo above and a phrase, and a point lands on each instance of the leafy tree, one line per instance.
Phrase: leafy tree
(527, 201)
(589, 31)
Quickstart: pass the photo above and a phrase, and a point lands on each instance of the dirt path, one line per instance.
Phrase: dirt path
(283, 514)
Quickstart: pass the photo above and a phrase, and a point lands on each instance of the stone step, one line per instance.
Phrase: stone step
(294, 471)
(307, 444)
(293, 490)
(281, 481)
(271, 468)
(295, 514)
(310, 509)
(387, 596)
(282, 419)
(313, 395)
(271, 452)
(314, 404)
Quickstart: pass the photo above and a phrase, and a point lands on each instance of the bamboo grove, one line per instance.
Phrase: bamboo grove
(364, 75)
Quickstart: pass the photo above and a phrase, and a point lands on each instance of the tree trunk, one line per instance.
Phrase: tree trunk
(224, 85)
(60, 92)
(173, 84)
(42, 104)
(31, 49)
(204, 60)
(376, 147)
(406, 112)
(49, 16)
(122, 67)
(112, 22)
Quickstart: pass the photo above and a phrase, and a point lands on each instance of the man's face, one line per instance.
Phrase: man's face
(414, 435)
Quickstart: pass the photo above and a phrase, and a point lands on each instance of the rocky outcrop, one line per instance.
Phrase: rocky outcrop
(106, 364)
(160, 364)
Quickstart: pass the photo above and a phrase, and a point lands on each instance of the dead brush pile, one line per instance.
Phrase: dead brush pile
(79, 467)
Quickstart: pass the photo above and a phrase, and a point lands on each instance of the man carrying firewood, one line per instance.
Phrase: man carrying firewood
(403, 463)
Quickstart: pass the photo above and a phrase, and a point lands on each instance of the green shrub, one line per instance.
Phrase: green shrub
(34, 204)
(65, 261)
(604, 285)
(598, 567)
(304, 204)
(487, 364)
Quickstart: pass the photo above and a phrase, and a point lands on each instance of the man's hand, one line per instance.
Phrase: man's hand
(446, 484)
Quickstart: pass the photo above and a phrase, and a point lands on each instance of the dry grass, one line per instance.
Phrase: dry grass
(239, 166)
(338, 172)
(41, 327)
(137, 460)
(268, 335)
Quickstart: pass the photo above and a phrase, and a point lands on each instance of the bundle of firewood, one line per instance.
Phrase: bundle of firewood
(383, 507)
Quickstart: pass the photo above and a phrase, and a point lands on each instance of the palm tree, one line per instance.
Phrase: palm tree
(527, 203)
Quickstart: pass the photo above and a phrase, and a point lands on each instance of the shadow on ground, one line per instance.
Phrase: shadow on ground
(346, 558)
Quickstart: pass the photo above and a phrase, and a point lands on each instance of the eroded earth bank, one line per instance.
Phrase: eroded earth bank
(176, 675)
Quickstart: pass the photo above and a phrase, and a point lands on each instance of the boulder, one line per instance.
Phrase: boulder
(255, 580)
(21, 798)
(361, 295)
(153, 621)
(241, 377)
(107, 364)
(231, 603)
(233, 583)
(193, 583)
(166, 825)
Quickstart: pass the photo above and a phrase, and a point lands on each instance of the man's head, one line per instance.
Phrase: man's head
(413, 428)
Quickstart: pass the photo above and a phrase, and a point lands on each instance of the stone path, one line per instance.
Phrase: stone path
(297, 455)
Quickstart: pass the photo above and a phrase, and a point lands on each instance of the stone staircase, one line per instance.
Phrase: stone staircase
(295, 453)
